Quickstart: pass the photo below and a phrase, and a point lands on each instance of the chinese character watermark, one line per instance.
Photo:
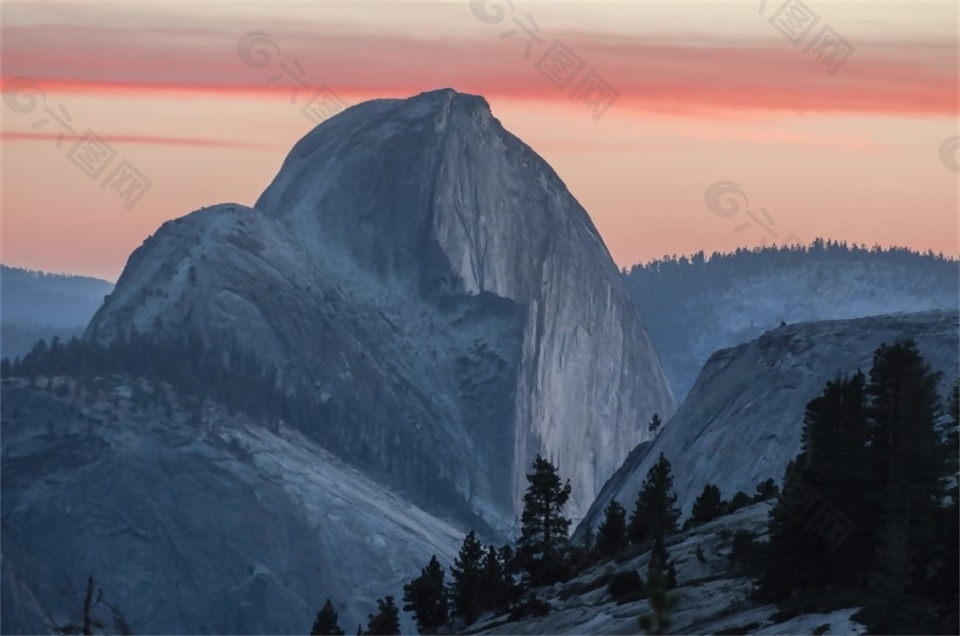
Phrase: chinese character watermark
(723, 198)
(795, 21)
(91, 154)
(254, 50)
(827, 521)
(558, 64)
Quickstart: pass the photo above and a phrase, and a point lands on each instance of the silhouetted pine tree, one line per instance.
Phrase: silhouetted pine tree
(708, 506)
(465, 588)
(511, 573)
(787, 566)
(892, 608)
(873, 457)
(655, 513)
(386, 622)
(426, 597)
(912, 460)
(944, 587)
(493, 585)
(661, 562)
(327, 622)
(541, 551)
(612, 534)
(658, 621)
(831, 475)
(766, 490)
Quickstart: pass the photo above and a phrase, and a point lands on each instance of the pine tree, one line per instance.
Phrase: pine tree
(912, 460)
(492, 582)
(661, 562)
(654, 424)
(831, 474)
(541, 551)
(766, 490)
(658, 621)
(655, 513)
(465, 590)
(426, 597)
(708, 506)
(327, 622)
(892, 608)
(583, 554)
(944, 587)
(612, 535)
(386, 622)
(511, 573)
(795, 559)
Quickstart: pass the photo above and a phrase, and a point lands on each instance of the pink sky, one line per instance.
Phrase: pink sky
(708, 92)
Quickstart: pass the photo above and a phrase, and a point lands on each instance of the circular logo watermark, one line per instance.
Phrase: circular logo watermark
(20, 94)
(252, 49)
(949, 150)
(722, 198)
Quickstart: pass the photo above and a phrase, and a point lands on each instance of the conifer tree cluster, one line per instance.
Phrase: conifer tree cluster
(865, 506)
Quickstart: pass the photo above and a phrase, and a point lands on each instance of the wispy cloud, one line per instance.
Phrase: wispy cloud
(138, 139)
(695, 79)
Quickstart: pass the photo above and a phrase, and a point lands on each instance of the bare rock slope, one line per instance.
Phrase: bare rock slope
(743, 419)
(190, 521)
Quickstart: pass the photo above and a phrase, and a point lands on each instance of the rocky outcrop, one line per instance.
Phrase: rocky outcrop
(422, 268)
(743, 419)
(190, 521)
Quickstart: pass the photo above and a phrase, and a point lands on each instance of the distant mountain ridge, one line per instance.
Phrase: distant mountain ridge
(693, 306)
(35, 305)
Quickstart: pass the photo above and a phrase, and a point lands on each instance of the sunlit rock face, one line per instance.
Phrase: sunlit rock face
(428, 272)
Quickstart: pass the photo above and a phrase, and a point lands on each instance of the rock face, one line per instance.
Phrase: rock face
(423, 269)
(190, 524)
(743, 419)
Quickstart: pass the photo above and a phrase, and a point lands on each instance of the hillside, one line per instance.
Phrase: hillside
(697, 305)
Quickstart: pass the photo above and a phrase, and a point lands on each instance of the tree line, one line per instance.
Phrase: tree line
(488, 578)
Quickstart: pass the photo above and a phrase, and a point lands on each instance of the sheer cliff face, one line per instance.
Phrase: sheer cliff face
(418, 262)
(743, 420)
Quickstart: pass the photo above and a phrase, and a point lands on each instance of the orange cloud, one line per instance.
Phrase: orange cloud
(692, 79)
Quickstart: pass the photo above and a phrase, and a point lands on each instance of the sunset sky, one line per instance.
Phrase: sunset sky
(119, 116)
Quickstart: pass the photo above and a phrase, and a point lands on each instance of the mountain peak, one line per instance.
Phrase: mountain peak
(450, 96)
(434, 277)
